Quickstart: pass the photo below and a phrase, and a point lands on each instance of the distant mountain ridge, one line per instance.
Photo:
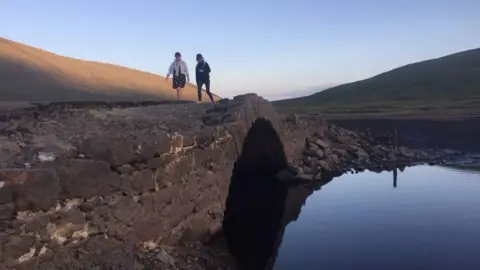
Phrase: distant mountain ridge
(454, 77)
(32, 74)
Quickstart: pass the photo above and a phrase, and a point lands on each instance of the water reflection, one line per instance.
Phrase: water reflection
(469, 167)
(361, 222)
(395, 175)
(255, 232)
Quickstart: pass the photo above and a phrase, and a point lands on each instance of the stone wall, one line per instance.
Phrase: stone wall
(141, 176)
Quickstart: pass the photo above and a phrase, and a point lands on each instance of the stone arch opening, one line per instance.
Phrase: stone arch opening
(256, 200)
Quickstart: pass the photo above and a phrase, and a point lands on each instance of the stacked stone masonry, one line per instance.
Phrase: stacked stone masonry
(142, 176)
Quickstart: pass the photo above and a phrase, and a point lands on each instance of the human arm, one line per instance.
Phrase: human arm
(207, 67)
(170, 71)
(186, 71)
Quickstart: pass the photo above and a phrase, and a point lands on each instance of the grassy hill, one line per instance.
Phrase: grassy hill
(32, 74)
(450, 81)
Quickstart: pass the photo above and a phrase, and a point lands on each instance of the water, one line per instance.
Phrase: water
(431, 220)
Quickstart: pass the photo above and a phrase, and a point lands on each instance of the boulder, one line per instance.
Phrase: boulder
(321, 143)
(32, 189)
(143, 181)
(87, 178)
(114, 151)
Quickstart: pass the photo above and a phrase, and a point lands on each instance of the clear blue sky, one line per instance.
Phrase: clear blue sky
(276, 48)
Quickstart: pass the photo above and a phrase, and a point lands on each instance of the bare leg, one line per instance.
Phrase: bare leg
(178, 92)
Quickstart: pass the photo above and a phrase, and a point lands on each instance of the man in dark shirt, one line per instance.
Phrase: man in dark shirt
(202, 73)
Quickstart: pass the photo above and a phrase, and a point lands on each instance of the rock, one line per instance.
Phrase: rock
(26, 126)
(18, 245)
(156, 163)
(312, 152)
(285, 176)
(81, 178)
(125, 168)
(164, 257)
(292, 118)
(145, 150)
(224, 101)
(3, 125)
(114, 151)
(3, 238)
(143, 181)
(126, 184)
(35, 189)
(320, 154)
(7, 190)
(188, 141)
(361, 154)
(126, 210)
(68, 222)
(322, 164)
(46, 156)
(37, 223)
(342, 139)
(308, 170)
(9, 150)
(304, 177)
(230, 117)
(294, 169)
(6, 211)
(212, 118)
(54, 146)
(340, 152)
(321, 143)
(335, 159)
(87, 206)
(164, 196)
(140, 166)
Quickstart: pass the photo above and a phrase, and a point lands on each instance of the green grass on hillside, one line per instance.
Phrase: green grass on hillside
(446, 82)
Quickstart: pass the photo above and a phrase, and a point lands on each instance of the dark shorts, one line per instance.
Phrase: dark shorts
(179, 81)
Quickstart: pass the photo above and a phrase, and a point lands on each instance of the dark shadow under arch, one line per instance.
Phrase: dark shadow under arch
(256, 201)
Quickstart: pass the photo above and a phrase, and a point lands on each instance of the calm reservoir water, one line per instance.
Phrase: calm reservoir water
(431, 220)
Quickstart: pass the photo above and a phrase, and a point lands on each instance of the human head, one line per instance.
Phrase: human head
(199, 57)
(178, 56)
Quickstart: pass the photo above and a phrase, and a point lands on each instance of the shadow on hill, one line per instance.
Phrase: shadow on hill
(32, 74)
(22, 82)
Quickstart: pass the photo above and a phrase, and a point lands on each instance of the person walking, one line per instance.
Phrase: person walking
(202, 74)
(179, 69)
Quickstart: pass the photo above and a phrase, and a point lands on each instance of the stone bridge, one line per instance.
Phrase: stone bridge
(140, 174)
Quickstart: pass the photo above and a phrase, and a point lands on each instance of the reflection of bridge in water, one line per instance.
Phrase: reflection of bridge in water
(259, 206)
(395, 175)
(255, 234)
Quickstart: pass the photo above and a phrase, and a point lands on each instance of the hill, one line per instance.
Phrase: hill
(449, 81)
(32, 74)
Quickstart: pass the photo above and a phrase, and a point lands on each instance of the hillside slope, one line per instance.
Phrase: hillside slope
(451, 79)
(32, 74)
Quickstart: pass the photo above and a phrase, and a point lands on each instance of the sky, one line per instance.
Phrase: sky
(278, 49)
